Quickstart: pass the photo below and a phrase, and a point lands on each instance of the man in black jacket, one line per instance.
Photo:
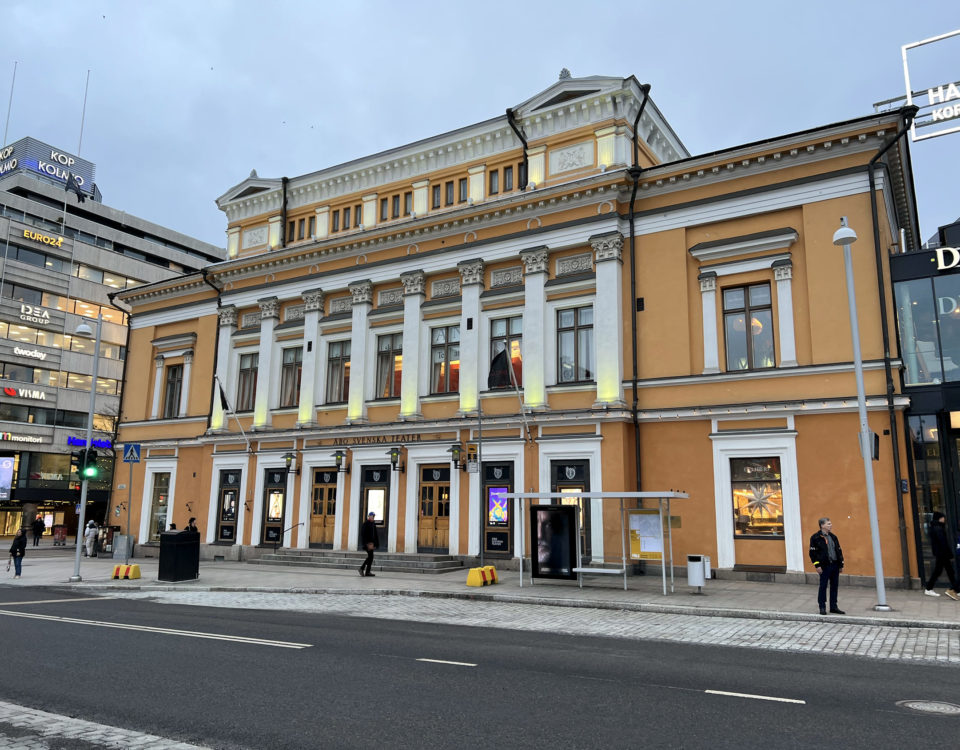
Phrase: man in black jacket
(943, 556)
(371, 541)
(827, 558)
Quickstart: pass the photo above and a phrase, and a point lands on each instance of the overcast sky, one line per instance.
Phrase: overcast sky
(185, 98)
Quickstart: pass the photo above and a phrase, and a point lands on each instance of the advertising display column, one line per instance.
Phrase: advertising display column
(498, 521)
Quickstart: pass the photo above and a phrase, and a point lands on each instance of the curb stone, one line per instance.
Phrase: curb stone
(648, 607)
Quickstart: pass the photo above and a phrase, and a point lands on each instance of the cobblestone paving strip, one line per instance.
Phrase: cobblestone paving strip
(24, 728)
(929, 645)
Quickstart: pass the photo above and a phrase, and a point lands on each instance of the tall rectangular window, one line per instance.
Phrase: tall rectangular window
(335, 226)
(171, 393)
(407, 203)
(389, 365)
(448, 190)
(757, 497)
(291, 231)
(338, 372)
(396, 206)
(358, 215)
(748, 327)
(312, 227)
(436, 196)
(575, 345)
(247, 382)
(159, 505)
(384, 209)
(494, 187)
(445, 359)
(346, 217)
(301, 227)
(462, 190)
(290, 376)
(507, 179)
(507, 333)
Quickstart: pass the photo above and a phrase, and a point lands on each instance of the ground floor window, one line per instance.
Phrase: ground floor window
(159, 504)
(757, 497)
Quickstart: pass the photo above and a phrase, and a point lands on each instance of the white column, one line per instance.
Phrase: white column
(323, 222)
(362, 292)
(312, 305)
(534, 311)
(269, 313)
(185, 383)
(228, 324)
(157, 387)
(783, 275)
(608, 319)
(414, 292)
(471, 284)
(369, 210)
(233, 242)
(708, 302)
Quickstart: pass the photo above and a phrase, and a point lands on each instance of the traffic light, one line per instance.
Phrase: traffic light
(76, 462)
(88, 466)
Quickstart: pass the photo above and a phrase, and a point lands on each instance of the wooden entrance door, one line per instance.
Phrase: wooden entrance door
(323, 510)
(434, 525)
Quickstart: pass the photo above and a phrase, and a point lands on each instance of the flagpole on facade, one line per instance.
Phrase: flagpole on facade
(228, 410)
(6, 127)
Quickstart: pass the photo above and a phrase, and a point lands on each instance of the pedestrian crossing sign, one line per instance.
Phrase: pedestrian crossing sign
(131, 453)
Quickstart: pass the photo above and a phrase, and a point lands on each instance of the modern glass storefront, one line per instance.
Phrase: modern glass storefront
(927, 296)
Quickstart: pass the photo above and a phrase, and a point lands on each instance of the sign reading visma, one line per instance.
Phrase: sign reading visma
(29, 154)
(939, 97)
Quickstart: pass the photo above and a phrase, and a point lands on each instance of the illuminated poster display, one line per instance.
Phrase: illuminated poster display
(376, 499)
(554, 531)
(6, 477)
(275, 506)
(498, 507)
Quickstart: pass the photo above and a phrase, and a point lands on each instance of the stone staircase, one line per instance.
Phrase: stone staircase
(343, 560)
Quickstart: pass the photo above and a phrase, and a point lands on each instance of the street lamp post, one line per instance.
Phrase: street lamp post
(84, 330)
(845, 236)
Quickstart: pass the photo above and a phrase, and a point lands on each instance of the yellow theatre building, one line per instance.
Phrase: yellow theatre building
(672, 322)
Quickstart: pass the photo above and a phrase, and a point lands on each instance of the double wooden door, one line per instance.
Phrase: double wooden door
(434, 523)
(323, 509)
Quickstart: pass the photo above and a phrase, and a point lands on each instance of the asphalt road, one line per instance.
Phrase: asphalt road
(353, 682)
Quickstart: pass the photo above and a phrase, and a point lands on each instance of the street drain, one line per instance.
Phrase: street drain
(932, 707)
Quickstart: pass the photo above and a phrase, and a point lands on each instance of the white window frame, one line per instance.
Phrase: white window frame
(550, 344)
(780, 443)
(155, 466)
(227, 463)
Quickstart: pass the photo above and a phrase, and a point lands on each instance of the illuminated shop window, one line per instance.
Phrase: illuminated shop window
(757, 497)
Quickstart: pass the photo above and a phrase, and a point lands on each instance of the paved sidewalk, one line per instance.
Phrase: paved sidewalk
(720, 598)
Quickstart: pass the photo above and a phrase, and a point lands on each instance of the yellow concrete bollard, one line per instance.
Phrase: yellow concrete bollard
(126, 571)
(476, 577)
(491, 574)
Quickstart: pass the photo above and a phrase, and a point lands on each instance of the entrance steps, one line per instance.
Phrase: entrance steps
(344, 560)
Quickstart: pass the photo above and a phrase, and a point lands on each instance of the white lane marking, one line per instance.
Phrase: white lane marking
(756, 697)
(454, 663)
(161, 631)
(54, 601)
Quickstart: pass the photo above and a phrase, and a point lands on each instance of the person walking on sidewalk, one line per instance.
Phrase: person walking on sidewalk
(38, 528)
(943, 556)
(89, 539)
(17, 550)
(827, 558)
(371, 541)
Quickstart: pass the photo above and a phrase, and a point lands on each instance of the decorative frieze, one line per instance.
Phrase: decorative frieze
(341, 305)
(471, 272)
(390, 297)
(506, 277)
(250, 320)
(445, 288)
(269, 308)
(534, 259)
(293, 312)
(578, 156)
(227, 315)
(255, 237)
(414, 282)
(607, 246)
(313, 300)
(362, 292)
(573, 264)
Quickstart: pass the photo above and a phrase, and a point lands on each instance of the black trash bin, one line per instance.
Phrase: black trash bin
(179, 556)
